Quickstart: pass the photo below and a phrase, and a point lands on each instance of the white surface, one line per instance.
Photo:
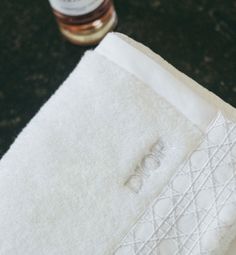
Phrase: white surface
(199, 90)
(195, 212)
(62, 183)
(189, 103)
(206, 95)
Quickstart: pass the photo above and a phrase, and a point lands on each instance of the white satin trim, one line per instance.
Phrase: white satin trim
(186, 100)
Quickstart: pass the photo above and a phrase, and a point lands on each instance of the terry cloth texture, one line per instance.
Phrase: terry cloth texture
(105, 148)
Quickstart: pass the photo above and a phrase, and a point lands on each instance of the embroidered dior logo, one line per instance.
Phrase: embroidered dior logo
(195, 211)
(149, 164)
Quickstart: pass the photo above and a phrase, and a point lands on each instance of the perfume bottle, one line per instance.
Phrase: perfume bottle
(84, 22)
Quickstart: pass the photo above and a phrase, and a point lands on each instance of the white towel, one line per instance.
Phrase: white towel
(116, 139)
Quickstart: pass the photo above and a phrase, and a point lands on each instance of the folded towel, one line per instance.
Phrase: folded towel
(129, 156)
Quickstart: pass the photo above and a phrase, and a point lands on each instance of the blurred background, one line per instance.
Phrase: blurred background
(197, 37)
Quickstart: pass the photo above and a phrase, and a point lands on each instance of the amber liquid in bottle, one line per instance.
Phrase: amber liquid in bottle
(84, 22)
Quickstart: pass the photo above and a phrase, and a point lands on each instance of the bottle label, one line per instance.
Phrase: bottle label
(75, 7)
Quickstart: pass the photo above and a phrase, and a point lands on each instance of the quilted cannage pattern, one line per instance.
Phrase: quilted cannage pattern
(196, 210)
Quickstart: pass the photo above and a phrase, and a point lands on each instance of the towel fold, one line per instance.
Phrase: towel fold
(129, 156)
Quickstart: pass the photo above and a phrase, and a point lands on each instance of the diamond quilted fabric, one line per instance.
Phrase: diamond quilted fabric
(195, 213)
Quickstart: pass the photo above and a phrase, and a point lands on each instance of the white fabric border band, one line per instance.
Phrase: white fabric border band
(187, 101)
